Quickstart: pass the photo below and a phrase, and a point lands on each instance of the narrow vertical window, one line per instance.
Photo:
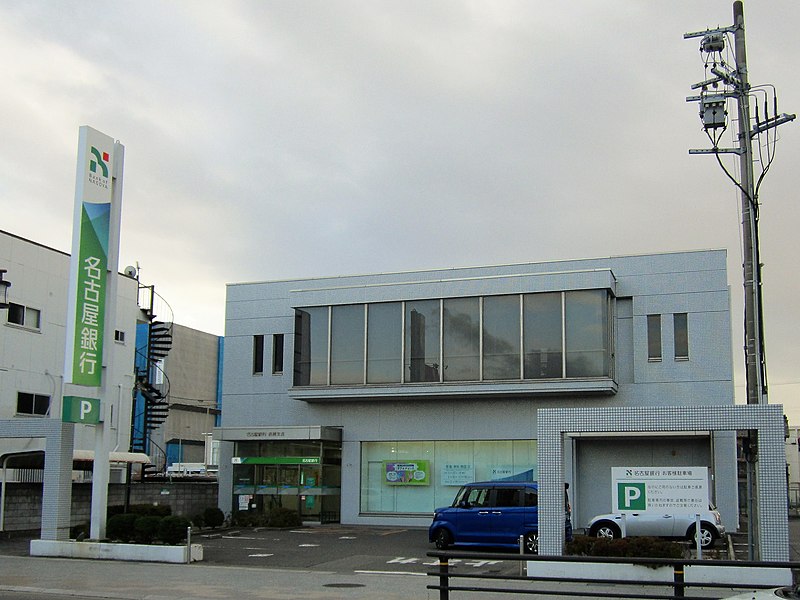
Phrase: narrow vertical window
(258, 354)
(654, 337)
(681, 324)
(277, 354)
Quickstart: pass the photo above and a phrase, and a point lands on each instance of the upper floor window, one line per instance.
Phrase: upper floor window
(681, 329)
(32, 404)
(258, 354)
(654, 338)
(277, 354)
(24, 316)
(494, 338)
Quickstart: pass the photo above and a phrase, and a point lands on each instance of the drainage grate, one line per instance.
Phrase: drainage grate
(343, 585)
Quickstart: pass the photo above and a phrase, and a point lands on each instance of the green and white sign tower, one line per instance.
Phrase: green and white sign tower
(91, 315)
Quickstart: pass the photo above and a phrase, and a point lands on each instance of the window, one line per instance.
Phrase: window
(119, 336)
(543, 335)
(654, 338)
(681, 327)
(277, 354)
(32, 404)
(384, 342)
(311, 346)
(347, 344)
(586, 333)
(514, 337)
(24, 316)
(258, 354)
(461, 339)
(422, 341)
(501, 339)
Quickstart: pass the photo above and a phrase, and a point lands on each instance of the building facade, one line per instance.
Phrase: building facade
(32, 345)
(370, 399)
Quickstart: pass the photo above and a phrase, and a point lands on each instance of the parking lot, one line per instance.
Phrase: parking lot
(337, 548)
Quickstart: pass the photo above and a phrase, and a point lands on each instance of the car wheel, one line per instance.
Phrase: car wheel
(605, 529)
(707, 536)
(531, 542)
(443, 539)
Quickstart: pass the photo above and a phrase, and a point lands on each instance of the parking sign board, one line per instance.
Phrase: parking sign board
(643, 489)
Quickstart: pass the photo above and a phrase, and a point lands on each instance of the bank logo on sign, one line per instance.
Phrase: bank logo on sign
(631, 496)
(101, 160)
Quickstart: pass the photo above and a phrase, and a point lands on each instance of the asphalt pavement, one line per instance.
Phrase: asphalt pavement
(326, 562)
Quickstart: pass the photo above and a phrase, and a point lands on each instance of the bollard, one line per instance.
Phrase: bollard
(188, 545)
(521, 551)
(444, 592)
(678, 579)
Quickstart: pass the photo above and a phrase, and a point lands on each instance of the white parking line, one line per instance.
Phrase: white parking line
(259, 555)
(390, 573)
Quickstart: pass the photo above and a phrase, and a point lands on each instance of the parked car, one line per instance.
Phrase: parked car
(660, 524)
(492, 513)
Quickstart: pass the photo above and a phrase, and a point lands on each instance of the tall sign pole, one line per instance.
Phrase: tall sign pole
(91, 317)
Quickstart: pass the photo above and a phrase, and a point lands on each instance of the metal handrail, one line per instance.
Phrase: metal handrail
(678, 583)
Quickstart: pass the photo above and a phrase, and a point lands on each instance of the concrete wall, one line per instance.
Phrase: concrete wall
(23, 502)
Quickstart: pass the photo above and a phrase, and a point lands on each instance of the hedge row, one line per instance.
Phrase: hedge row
(643, 547)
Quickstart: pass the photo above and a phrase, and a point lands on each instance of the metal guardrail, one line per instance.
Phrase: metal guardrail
(626, 588)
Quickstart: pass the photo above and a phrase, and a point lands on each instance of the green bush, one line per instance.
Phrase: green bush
(145, 528)
(151, 510)
(79, 532)
(121, 527)
(213, 517)
(198, 521)
(284, 517)
(172, 529)
(632, 547)
(248, 519)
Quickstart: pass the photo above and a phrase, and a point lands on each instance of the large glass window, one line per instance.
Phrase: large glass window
(421, 361)
(384, 342)
(347, 344)
(439, 469)
(311, 346)
(586, 328)
(461, 339)
(501, 337)
(548, 335)
(543, 335)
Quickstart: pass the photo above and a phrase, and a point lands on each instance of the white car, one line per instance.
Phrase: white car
(660, 524)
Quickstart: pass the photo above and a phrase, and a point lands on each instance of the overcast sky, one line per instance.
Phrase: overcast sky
(271, 140)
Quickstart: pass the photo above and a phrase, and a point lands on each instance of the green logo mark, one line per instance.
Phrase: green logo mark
(102, 161)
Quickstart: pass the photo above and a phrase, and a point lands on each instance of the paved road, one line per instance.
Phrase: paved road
(328, 562)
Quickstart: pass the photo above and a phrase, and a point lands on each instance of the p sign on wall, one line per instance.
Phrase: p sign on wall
(81, 410)
(673, 489)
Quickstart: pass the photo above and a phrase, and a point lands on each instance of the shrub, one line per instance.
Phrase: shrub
(198, 521)
(213, 517)
(248, 519)
(172, 529)
(79, 532)
(121, 527)
(145, 528)
(641, 547)
(284, 517)
(151, 510)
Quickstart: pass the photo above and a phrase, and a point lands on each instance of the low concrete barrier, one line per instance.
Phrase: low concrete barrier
(110, 551)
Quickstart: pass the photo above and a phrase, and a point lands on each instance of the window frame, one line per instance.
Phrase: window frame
(34, 400)
(258, 354)
(26, 312)
(680, 333)
(655, 338)
(278, 350)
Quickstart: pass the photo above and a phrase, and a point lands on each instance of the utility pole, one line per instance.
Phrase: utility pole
(733, 83)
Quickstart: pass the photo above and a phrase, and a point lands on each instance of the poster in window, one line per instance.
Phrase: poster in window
(411, 472)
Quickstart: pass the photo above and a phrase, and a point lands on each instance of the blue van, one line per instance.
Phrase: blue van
(492, 513)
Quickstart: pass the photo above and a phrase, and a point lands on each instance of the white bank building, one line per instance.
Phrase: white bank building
(370, 399)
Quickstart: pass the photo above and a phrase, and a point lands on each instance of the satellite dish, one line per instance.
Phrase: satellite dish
(130, 272)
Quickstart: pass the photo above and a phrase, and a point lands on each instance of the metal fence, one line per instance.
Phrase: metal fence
(736, 575)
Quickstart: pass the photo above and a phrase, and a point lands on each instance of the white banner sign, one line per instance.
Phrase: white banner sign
(674, 489)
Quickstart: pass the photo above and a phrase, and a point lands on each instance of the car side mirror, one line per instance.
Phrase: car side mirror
(463, 504)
